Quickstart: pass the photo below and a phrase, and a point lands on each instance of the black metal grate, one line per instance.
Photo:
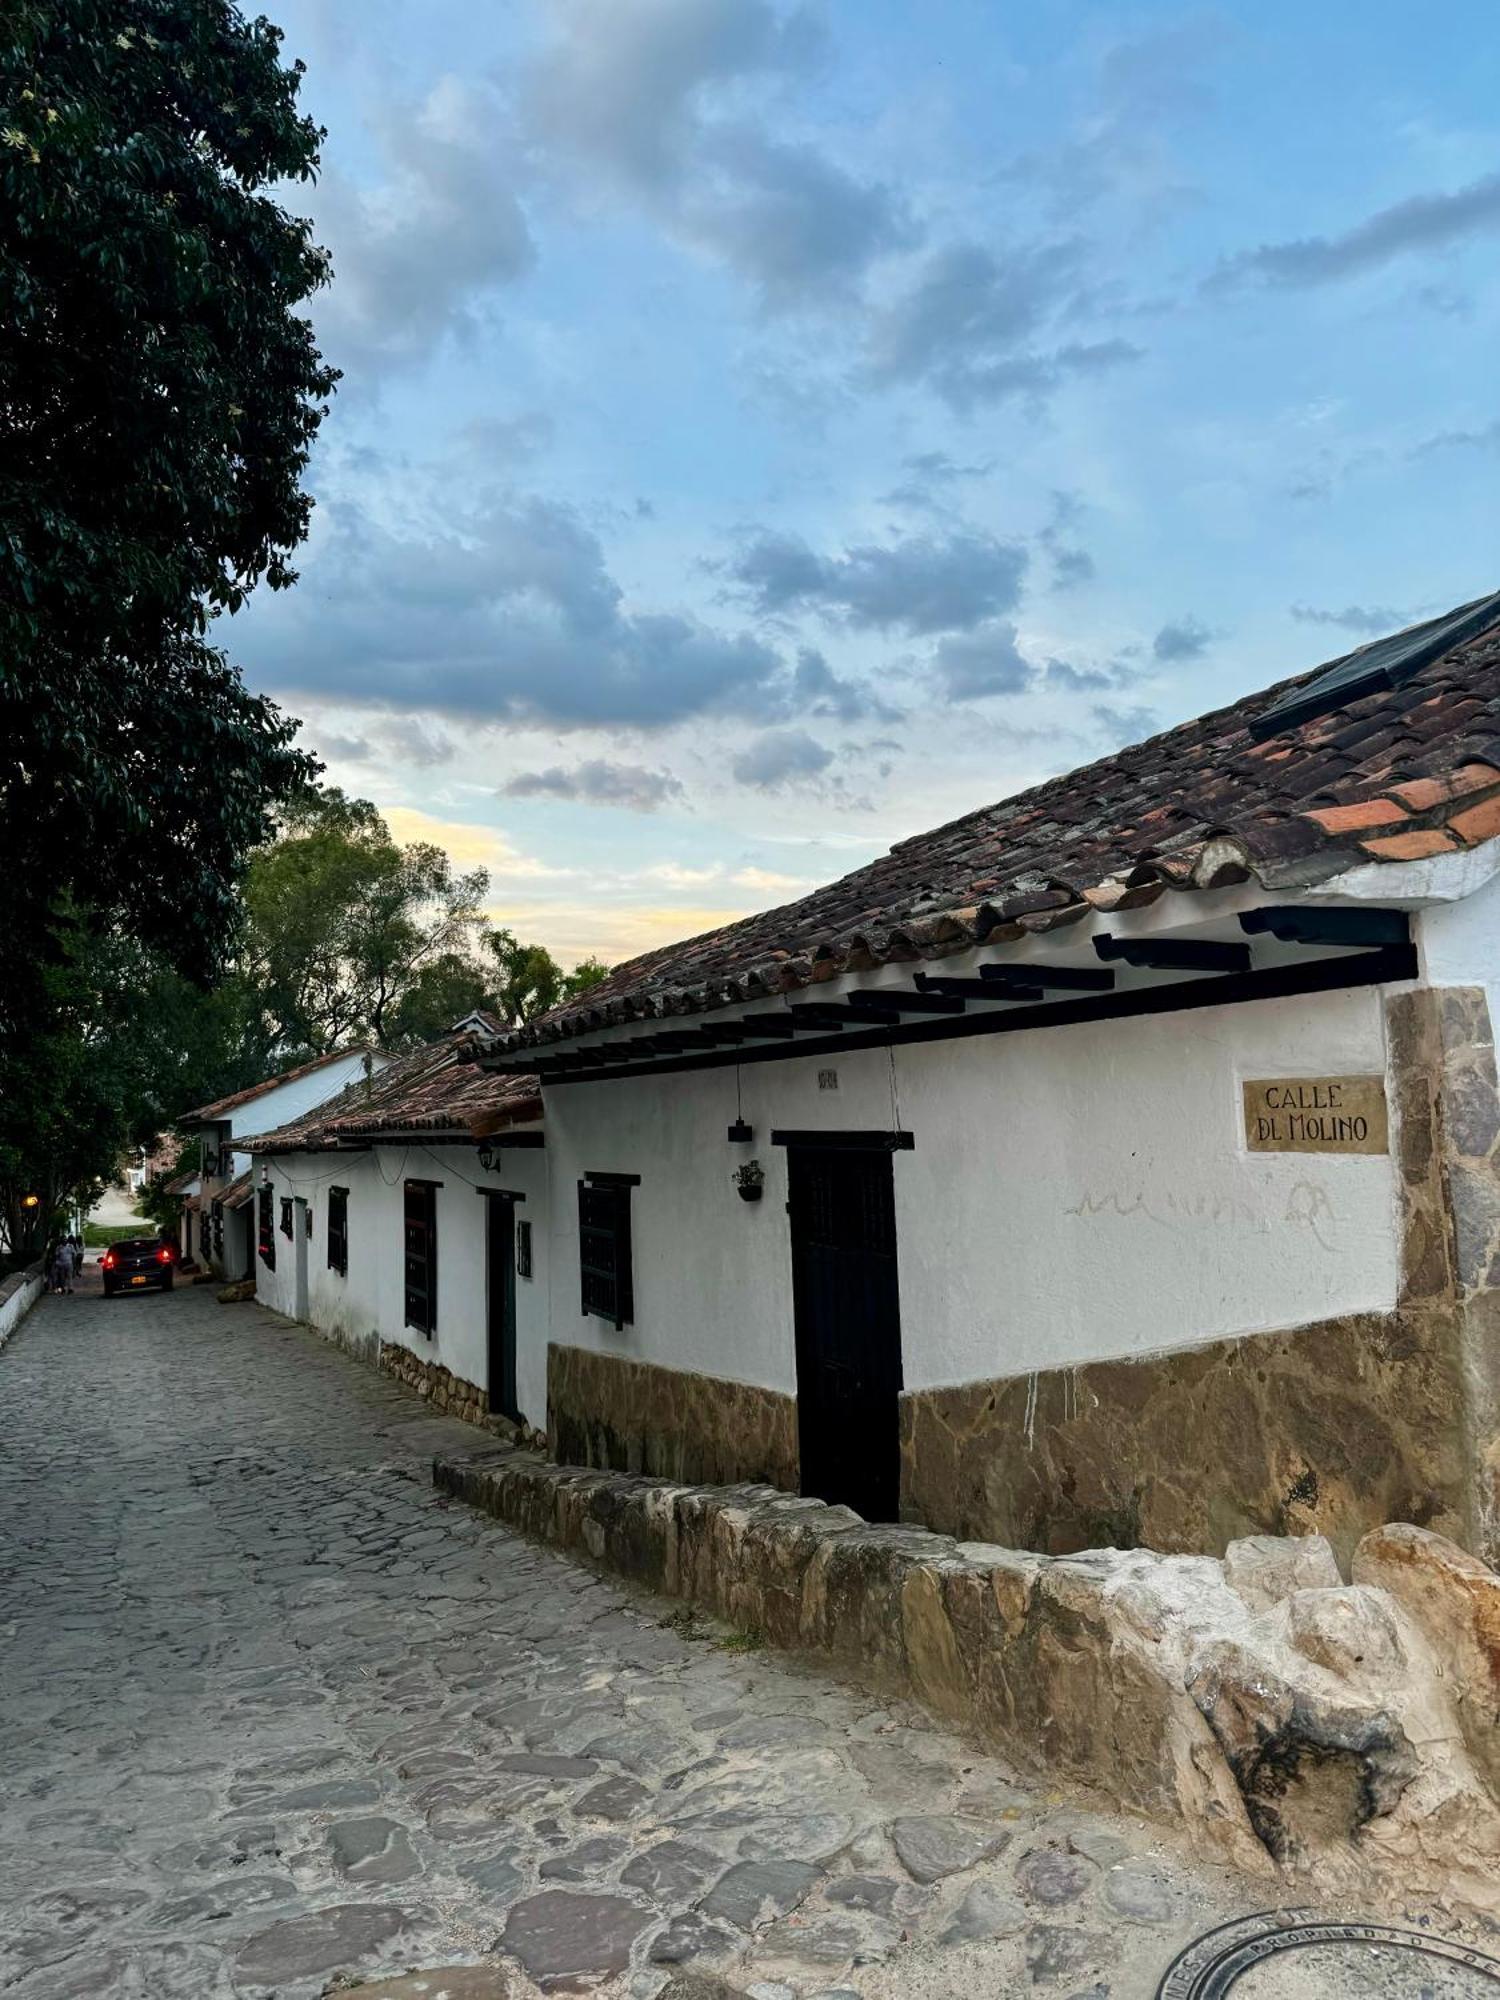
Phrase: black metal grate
(265, 1231)
(338, 1230)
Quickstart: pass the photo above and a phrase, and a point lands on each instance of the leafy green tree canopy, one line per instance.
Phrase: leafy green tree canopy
(159, 392)
(341, 924)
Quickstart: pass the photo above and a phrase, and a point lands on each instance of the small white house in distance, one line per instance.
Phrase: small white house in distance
(409, 1225)
(223, 1239)
(1115, 1164)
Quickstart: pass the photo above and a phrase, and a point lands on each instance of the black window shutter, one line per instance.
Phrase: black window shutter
(267, 1233)
(606, 1274)
(338, 1230)
(286, 1217)
(421, 1256)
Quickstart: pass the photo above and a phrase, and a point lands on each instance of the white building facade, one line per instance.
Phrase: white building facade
(222, 1236)
(411, 1230)
(1144, 1193)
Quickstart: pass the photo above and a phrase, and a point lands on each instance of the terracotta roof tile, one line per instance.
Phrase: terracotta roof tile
(432, 1090)
(1418, 845)
(1199, 806)
(1476, 823)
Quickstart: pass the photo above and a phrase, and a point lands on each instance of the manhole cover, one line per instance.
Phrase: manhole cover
(1292, 1954)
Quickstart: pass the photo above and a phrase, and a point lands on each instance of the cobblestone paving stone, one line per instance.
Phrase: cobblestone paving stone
(273, 1712)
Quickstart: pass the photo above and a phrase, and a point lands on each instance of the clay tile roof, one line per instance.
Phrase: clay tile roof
(222, 1106)
(1409, 771)
(433, 1090)
(180, 1183)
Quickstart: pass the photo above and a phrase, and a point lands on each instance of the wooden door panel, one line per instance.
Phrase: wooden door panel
(848, 1327)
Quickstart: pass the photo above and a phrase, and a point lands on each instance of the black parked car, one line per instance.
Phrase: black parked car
(135, 1262)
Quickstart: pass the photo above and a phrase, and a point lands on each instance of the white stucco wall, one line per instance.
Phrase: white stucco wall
(1460, 942)
(286, 1101)
(1074, 1194)
(368, 1302)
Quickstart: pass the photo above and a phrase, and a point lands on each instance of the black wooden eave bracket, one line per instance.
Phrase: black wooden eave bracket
(1381, 965)
(1296, 924)
(848, 1142)
(1175, 954)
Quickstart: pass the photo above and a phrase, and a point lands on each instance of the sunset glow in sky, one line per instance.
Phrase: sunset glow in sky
(771, 430)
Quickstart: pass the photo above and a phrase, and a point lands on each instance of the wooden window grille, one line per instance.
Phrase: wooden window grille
(338, 1230)
(523, 1249)
(604, 1255)
(421, 1283)
(266, 1234)
(286, 1217)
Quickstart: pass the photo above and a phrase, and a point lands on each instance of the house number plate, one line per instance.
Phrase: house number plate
(1316, 1114)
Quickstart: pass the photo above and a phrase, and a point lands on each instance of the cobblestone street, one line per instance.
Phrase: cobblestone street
(274, 1712)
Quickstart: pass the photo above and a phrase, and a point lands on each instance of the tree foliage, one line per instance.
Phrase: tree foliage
(341, 924)
(159, 392)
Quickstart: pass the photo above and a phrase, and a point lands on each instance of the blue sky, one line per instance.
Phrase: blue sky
(769, 430)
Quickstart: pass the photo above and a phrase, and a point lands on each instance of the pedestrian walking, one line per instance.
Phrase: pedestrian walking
(62, 1267)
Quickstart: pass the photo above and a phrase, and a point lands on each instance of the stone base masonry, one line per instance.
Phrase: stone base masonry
(623, 1415)
(1298, 1722)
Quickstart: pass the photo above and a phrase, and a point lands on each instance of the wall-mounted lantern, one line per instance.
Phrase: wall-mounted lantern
(750, 1181)
(486, 1156)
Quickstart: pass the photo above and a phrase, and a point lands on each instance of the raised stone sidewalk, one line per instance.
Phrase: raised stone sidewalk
(1340, 1731)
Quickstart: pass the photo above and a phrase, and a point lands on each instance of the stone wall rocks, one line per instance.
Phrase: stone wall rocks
(611, 1411)
(1454, 1599)
(1292, 1720)
(446, 1391)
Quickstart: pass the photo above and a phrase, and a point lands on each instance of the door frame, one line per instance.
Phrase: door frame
(301, 1259)
(835, 1144)
(501, 1343)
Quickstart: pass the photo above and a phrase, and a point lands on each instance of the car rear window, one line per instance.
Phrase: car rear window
(131, 1244)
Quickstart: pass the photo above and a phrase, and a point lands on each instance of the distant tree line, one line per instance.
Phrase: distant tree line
(342, 937)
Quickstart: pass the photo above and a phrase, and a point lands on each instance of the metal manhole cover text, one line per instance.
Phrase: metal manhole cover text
(1357, 1960)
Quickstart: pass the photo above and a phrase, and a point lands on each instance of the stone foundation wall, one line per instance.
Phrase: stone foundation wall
(1292, 1720)
(609, 1411)
(1334, 1427)
(445, 1391)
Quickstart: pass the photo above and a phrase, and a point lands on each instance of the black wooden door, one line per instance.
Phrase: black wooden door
(848, 1325)
(500, 1264)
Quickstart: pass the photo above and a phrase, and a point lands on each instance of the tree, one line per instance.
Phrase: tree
(442, 993)
(530, 978)
(159, 393)
(342, 923)
(83, 1086)
(585, 976)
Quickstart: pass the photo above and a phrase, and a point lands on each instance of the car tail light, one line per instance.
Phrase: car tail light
(108, 1260)
(164, 1255)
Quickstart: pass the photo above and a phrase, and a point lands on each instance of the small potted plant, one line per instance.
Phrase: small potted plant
(750, 1181)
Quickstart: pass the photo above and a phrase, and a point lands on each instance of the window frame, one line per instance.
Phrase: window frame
(606, 1258)
(287, 1225)
(523, 1248)
(337, 1230)
(265, 1233)
(425, 1318)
